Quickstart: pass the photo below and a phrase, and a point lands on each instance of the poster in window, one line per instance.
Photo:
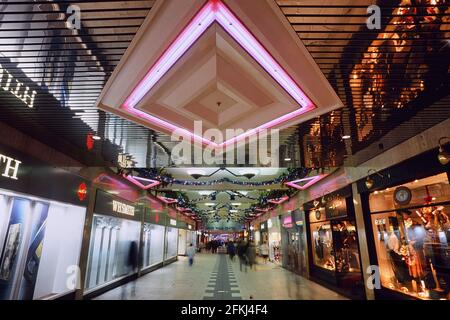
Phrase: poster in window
(10, 252)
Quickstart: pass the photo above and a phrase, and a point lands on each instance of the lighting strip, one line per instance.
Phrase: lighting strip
(216, 11)
(167, 200)
(311, 180)
(136, 181)
(278, 201)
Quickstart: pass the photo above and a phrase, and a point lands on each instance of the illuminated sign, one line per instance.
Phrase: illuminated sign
(17, 88)
(287, 221)
(82, 191)
(173, 222)
(123, 208)
(11, 167)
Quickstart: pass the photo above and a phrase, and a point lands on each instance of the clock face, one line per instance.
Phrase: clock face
(402, 195)
(318, 214)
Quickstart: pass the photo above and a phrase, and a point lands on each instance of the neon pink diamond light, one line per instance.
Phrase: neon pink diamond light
(216, 11)
(309, 182)
(142, 183)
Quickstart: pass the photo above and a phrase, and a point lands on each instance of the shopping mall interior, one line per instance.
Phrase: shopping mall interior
(224, 150)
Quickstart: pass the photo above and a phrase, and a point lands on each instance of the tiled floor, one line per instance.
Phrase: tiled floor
(214, 276)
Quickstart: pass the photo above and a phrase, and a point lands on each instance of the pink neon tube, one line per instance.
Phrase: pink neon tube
(216, 11)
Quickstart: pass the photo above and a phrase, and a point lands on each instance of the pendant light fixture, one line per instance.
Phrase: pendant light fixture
(443, 155)
(369, 181)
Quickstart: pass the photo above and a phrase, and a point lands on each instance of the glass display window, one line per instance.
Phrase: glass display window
(113, 250)
(322, 245)
(182, 241)
(333, 245)
(412, 240)
(153, 246)
(40, 243)
(171, 243)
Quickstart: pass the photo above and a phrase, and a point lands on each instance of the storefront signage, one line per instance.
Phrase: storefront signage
(123, 208)
(336, 208)
(287, 222)
(9, 166)
(173, 222)
(17, 88)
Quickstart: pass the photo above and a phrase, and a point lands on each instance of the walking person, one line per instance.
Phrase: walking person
(242, 254)
(264, 249)
(251, 255)
(190, 251)
(132, 263)
(231, 250)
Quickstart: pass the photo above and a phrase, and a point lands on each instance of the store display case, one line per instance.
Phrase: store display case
(333, 244)
(411, 230)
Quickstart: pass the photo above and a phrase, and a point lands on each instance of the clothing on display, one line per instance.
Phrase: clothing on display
(412, 243)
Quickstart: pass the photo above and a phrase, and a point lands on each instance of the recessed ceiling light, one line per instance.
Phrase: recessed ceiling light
(236, 204)
(233, 210)
(210, 204)
(346, 137)
(96, 137)
(287, 159)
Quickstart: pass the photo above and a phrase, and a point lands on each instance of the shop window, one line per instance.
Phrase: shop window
(112, 251)
(153, 246)
(412, 239)
(322, 245)
(40, 244)
(172, 242)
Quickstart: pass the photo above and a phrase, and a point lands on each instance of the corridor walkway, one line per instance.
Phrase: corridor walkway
(214, 276)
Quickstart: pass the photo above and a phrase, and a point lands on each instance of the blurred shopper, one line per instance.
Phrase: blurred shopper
(132, 263)
(242, 254)
(264, 250)
(231, 250)
(251, 255)
(190, 251)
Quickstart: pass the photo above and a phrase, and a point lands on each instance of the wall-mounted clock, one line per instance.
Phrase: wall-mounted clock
(318, 214)
(402, 195)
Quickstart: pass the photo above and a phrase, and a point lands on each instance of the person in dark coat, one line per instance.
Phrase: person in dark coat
(231, 250)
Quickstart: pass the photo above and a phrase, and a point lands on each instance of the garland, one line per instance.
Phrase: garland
(167, 179)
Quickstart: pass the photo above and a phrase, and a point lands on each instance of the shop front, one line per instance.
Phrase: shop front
(114, 243)
(274, 239)
(293, 244)
(333, 243)
(410, 229)
(43, 210)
